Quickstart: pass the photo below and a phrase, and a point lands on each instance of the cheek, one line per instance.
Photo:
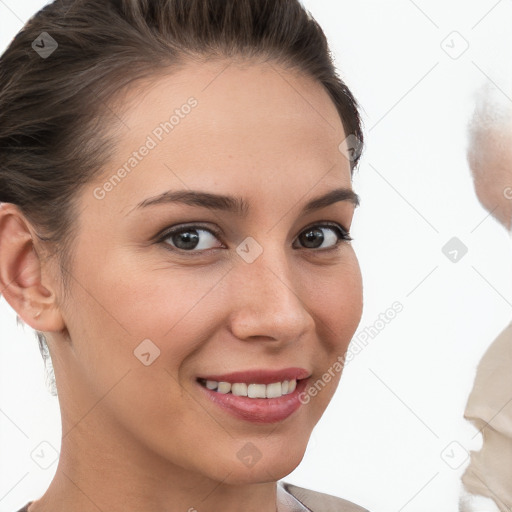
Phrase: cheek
(115, 309)
(137, 299)
(338, 310)
(124, 315)
(336, 299)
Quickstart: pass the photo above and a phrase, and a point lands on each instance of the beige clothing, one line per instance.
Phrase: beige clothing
(314, 501)
(489, 408)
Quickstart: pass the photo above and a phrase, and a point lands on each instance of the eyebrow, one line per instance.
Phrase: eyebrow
(239, 205)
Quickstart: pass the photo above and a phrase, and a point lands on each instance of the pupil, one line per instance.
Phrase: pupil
(311, 236)
(190, 239)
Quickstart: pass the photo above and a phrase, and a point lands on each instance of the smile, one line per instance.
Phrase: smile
(259, 396)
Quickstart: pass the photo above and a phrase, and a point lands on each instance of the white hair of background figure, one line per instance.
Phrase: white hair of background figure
(489, 151)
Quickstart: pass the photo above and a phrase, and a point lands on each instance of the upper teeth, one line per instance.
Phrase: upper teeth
(274, 390)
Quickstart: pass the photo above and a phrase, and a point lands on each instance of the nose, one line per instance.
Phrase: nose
(267, 305)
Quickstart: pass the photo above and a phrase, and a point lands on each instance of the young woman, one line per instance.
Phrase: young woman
(176, 200)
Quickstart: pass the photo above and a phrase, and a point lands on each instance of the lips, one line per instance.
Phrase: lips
(273, 408)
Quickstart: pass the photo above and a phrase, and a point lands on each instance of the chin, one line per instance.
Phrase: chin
(271, 468)
(273, 465)
(269, 471)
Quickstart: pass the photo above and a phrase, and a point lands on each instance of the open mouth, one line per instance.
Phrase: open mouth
(259, 396)
(251, 390)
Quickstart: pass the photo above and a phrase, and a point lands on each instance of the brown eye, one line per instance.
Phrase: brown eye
(191, 238)
(315, 236)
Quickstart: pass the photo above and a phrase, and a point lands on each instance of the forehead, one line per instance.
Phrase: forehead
(236, 101)
(236, 124)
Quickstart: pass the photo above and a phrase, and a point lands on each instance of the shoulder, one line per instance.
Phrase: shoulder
(320, 502)
(492, 384)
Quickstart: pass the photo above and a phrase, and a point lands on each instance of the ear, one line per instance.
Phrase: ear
(20, 273)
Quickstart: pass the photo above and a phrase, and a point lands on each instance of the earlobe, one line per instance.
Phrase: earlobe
(20, 274)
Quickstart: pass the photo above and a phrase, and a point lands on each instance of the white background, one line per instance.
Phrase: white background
(401, 400)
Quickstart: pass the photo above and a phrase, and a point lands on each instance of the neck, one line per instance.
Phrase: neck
(105, 469)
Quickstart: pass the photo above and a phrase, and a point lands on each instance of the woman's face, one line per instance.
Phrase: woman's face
(150, 313)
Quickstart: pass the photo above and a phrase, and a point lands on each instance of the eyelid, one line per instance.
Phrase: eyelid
(326, 223)
(168, 231)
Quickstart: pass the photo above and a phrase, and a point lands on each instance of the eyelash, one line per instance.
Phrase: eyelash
(342, 233)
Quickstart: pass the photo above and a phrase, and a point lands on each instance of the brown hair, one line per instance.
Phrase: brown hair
(55, 110)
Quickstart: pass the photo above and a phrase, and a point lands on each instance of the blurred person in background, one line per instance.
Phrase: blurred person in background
(487, 481)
